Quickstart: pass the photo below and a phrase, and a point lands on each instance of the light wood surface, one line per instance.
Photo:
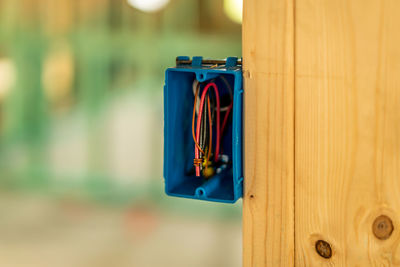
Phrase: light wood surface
(340, 62)
(347, 125)
(269, 142)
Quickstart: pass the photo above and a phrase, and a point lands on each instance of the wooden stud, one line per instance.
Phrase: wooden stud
(268, 201)
(347, 130)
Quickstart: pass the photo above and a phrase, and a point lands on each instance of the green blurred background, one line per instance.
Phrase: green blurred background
(81, 133)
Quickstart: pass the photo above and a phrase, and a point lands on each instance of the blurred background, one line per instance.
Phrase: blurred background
(81, 124)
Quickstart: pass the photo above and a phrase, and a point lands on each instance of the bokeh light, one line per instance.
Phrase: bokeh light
(148, 5)
(7, 76)
(233, 9)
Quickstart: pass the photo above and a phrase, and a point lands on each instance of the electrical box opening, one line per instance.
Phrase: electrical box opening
(203, 131)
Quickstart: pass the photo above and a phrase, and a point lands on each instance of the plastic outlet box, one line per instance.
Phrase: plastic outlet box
(226, 186)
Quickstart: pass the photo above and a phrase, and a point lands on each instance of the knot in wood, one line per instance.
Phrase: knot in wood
(323, 249)
(382, 227)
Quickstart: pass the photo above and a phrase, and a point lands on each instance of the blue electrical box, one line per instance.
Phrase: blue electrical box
(215, 85)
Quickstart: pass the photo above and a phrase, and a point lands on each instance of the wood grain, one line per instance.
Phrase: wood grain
(268, 204)
(347, 130)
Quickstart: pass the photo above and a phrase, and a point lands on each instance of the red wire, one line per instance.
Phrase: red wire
(203, 95)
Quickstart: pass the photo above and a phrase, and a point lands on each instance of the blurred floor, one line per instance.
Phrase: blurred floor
(63, 233)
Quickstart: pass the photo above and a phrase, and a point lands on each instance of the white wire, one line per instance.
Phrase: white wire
(194, 86)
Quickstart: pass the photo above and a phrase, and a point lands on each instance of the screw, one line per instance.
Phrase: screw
(382, 227)
(323, 249)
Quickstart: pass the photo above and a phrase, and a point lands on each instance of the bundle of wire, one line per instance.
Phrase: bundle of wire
(206, 110)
